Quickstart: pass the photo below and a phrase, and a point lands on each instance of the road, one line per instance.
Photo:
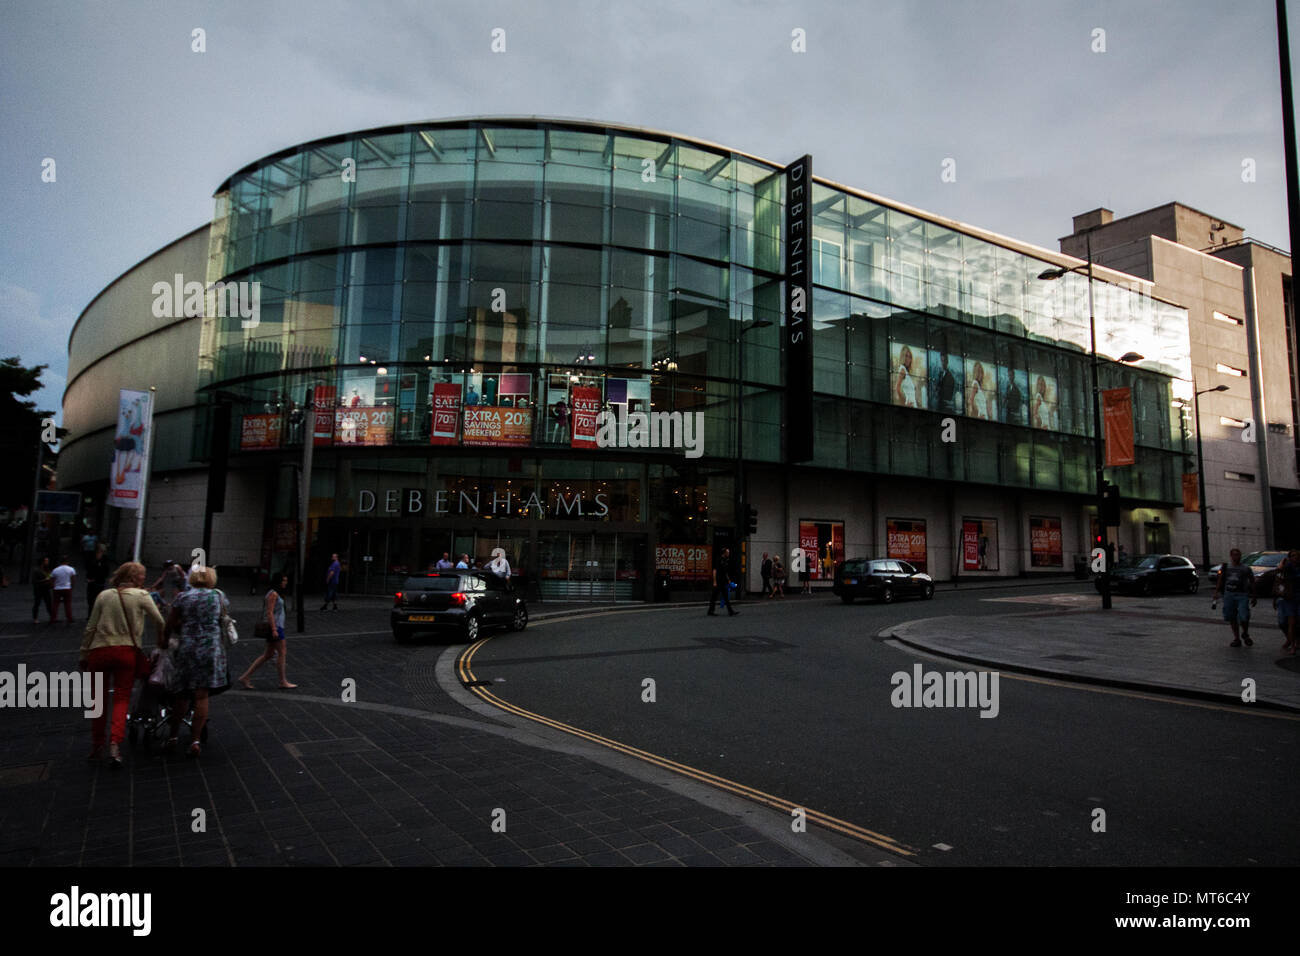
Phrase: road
(793, 698)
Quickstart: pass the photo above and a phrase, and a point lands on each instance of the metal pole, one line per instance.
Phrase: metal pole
(144, 480)
(1288, 128)
(1098, 447)
(1200, 481)
(304, 500)
(29, 555)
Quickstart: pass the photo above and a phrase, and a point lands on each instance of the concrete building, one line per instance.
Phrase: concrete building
(1237, 292)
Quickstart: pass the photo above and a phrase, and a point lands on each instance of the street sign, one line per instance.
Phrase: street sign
(58, 502)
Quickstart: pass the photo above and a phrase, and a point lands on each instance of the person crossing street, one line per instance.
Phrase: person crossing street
(1237, 588)
(722, 584)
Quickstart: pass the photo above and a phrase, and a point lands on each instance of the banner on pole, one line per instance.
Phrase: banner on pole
(1191, 494)
(1117, 410)
(130, 448)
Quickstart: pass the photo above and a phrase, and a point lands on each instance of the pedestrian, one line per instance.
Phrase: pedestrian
(41, 584)
(88, 542)
(463, 563)
(1287, 586)
(1236, 586)
(500, 565)
(62, 579)
(170, 583)
(111, 645)
(805, 577)
(722, 584)
(778, 577)
(272, 626)
(332, 582)
(201, 657)
(97, 574)
(765, 572)
(444, 563)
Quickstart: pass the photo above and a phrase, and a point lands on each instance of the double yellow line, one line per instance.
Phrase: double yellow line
(463, 665)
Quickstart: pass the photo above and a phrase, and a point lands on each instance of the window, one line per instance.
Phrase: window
(1227, 318)
(1238, 476)
(1229, 370)
(1233, 422)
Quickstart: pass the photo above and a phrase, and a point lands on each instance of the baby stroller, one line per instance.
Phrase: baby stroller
(153, 706)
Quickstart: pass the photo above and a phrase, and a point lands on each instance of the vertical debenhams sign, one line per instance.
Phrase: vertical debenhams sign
(798, 311)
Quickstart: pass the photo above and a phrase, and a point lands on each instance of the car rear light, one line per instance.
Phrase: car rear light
(397, 599)
(458, 598)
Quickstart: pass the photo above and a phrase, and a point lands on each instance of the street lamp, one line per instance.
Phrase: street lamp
(1200, 472)
(1098, 448)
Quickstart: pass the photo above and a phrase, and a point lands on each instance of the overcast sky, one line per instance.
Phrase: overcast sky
(1041, 127)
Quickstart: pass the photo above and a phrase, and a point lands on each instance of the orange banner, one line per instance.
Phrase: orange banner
(1117, 410)
(1191, 494)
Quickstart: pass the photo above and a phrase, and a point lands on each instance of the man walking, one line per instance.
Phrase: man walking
(332, 583)
(722, 584)
(444, 563)
(765, 572)
(1237, 588)
(61, 579)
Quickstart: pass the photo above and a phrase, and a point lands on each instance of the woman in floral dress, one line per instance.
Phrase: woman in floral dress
(201, 658)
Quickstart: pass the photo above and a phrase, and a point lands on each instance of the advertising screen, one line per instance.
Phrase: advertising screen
(259, 432)
(495, 426)
(907, 378)
(906, 541)
(979, 544)
(1045, 542)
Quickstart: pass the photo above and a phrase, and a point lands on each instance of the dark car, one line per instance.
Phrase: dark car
(1152, 573)
(881, 578)
(467, 602)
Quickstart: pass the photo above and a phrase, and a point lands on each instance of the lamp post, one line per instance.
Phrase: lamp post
(1098, 447)
(1200, 472)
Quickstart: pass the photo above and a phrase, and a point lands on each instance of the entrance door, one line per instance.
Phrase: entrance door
(1157, 538)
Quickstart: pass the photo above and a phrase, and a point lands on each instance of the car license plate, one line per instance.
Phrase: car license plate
(423, 617)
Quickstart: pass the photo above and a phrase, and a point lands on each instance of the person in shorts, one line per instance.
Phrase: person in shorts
(1236, 587)
(1287, 601)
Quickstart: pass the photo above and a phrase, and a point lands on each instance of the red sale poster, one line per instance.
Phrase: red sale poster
(586, 406)
(446, 414)
(323, 401)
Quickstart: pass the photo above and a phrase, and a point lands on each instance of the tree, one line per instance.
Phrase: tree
(20, 430)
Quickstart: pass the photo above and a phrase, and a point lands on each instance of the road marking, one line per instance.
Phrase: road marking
(464, 665)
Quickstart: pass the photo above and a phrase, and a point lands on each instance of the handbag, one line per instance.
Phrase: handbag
(262, 631)
(143, 666)
(228, 626)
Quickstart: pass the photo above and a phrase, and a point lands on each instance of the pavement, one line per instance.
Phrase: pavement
(1167, 643)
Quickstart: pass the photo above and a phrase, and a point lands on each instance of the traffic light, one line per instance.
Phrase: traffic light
(1110, 506)
(751, 519)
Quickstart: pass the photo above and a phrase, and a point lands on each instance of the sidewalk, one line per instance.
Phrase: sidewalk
(1167, 644)
(404, 775)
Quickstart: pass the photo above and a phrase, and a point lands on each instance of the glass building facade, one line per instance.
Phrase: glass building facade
(457, 298)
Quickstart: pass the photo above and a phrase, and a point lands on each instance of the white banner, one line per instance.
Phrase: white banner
(130, 449)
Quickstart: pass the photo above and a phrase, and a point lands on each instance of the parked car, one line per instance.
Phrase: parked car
(881, 578)
(468, 602)
(1152, 573)
(1261, 564)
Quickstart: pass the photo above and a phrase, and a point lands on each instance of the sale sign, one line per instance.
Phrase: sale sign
(259, 432)
(324, 399)
(685, 562)
(364, 426)
(906, 541)
(446, 414)
(499, 427)
(1045, 543)
(586, 406)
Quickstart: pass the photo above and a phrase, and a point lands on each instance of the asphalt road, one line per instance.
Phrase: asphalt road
(793, 698)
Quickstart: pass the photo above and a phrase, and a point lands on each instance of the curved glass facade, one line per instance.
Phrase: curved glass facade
(505, 274)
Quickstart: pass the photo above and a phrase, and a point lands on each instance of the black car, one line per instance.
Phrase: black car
(467, 602)
(881, 578)
(1151, 573)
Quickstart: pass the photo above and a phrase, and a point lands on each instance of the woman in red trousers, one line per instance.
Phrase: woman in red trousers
(115, 629)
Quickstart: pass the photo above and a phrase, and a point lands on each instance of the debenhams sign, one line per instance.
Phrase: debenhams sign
(415, 501)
